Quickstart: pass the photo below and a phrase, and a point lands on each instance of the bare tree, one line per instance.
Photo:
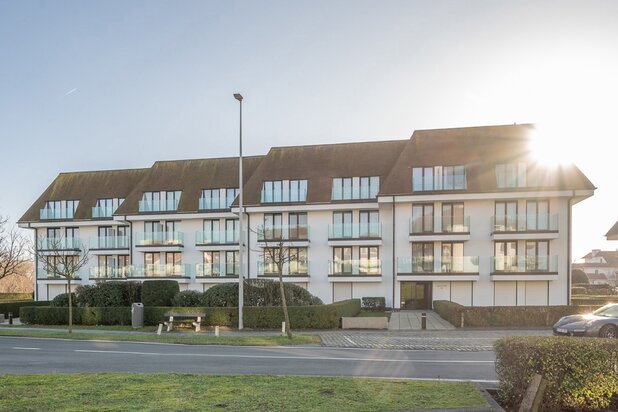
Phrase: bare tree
(63, 258)
(278, 258)
(14, 250)
(21, 282)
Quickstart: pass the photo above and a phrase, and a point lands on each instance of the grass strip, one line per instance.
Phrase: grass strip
(186, 392)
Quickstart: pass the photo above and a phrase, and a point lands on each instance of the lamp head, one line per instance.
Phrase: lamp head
(238, 97)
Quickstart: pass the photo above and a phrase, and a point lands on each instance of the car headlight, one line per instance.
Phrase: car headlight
(589, 323)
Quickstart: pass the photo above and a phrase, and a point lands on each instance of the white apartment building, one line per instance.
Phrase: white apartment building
(462, 214)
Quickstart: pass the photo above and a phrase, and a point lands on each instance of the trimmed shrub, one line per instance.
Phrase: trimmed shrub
(108, 294)
(486, 316)
(578, 290)
(159, 292)
(301, 317)
(14, 306)
(81, 316)
(259, 292)
(62, 300)
(579, 276)
(4, 297)
(373, 303)
(221, 296)
(188, 298)
(603, 290)
(581, 373)
(591, 300)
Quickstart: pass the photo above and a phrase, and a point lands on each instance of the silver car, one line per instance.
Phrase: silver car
(603, 322)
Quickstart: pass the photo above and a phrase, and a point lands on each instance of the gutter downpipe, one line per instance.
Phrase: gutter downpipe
(569, 227)
(393, 243)
(36, 265)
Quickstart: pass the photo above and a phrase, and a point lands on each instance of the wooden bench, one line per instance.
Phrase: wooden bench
(172, 316)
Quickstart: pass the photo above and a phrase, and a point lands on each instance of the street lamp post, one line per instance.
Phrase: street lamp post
(241, 238)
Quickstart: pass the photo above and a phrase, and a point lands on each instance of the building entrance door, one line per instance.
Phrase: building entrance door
(415, 295)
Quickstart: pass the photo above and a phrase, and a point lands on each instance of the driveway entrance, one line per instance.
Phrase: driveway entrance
(411, 320)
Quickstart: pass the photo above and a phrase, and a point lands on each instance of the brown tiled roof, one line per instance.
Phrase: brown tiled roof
(189, 176)
(479, 149)
(87, 187)
(319, 164)
(610, 256)
(612, 234)
(596, 276)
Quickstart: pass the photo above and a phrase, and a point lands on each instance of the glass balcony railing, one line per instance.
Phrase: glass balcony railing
(355, 267)
(45, 275)
(283, 196)
(283, 232)
(364, 192)
(170, 205)
(160, 239)
(438, 264)
(109, 242)
(436, 224)
(106, 272)
(295, 268)
(355, 231)
(524, 264)
(217, 269)
(217, 237)
(103, 212)
(160, 271)
(63, 243)
(56, 214)
(215, 203)
(524, 223)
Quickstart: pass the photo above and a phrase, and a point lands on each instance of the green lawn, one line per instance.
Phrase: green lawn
(90, 327)
(174, 337)
(181, 392)
(379, 314)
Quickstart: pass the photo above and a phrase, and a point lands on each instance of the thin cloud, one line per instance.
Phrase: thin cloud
(70, 92)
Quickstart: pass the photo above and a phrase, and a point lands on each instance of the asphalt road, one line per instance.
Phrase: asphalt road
(32, 355)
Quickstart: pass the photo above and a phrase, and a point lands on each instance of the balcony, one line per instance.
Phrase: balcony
(160, 271)
(360, 233)
(217, 269)
(106, 272)
(290, 269)
(56, 214)
(355, 270)
(62, 243)
(103, 212)
(42, 274)
(438, 268)
(159, 239)
(439, 228)
(519, 266)
(215, 203)
(109, 242)
(216, 237)
(148, 206)
(355, 193)
(288, 233)
(283, 196)
(521, 226)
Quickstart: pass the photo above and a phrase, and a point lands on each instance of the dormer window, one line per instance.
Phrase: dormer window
(164, 201)
(220, 198)
(514, 175)
(105, 208)
(438, 178)
(347, 188)
(59, 209)
(283, 191)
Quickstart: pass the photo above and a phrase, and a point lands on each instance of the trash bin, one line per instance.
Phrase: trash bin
(137, 315)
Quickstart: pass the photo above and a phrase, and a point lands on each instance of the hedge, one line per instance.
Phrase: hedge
(588, 289)
(13, 307)
(258, 292)
(592, 300)
(373, 303)
(159, 292)
(301, 317)
(15, 296)
(109, 294)
(81, 316)
(580, 373)
(489, 316)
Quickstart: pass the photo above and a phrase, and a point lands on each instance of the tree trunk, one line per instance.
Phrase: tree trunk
(288, 331)
(70, 306)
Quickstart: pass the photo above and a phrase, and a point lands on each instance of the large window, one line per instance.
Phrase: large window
(437, 178)
(514, 175)
(232, 267)
(453, 219)
(298, 263)
(164, 201)
(59, 209)
(273, 226)
(505, 219)
(364, 187)
(212, 264)
(342, 225)
(112, 266)
(537, 215)
(422, 218)
(369, 223)
(231, 230)
(422, 257)
(452, 257)
(537, 255)
(280, 191)
(342, 260)
(369, 260)
(505, 256)
(217, 198)
(297, 226)
(106, 207)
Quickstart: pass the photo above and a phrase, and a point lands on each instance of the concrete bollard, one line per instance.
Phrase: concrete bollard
(462, 320)
(10, 318)
(282, 328)
(423, 320)
(160, 329)
(216, 331)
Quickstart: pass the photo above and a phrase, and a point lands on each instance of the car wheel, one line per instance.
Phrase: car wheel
(608, 331)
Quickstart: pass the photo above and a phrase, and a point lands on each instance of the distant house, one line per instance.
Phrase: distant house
(601, 266)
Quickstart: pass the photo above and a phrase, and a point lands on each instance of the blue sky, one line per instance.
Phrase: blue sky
(87, 85)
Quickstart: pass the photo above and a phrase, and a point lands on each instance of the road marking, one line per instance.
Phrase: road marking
(349, 340)
(22, 348)
(212, 355)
